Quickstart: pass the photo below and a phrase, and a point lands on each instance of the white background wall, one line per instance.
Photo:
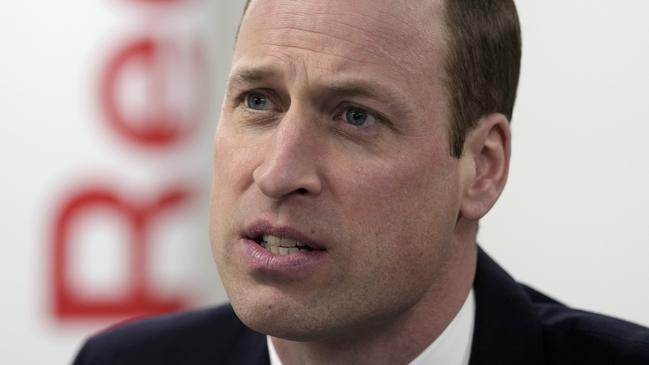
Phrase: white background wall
(572, 221)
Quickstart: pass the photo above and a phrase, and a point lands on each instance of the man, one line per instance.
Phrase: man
(360, 143)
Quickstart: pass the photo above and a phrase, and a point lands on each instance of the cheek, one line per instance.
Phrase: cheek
(225, 151)
(393, 196)
(234, 161)
(400, 216)
(221, 176)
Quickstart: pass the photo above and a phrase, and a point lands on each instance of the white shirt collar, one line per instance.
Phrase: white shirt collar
(452, 347)
(272, 353)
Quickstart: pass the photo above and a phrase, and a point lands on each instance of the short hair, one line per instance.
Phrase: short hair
(482, 63)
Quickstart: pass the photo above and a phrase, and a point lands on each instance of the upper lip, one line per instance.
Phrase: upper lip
(261, 228)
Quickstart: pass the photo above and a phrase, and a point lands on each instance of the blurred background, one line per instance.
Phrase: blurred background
(108, 108)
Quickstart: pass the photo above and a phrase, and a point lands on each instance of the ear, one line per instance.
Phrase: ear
(484, 165)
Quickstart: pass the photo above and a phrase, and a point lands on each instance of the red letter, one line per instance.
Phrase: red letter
(162, 122)
(140, 299)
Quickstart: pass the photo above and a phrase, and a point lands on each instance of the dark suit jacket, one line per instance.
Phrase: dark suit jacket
(514, 325)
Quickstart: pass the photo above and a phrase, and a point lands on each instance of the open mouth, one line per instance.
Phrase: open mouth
(282, 245)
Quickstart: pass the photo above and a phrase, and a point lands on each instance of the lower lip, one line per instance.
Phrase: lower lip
(292, 266)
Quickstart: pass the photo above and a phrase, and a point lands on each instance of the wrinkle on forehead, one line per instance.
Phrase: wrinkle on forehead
(374, 28)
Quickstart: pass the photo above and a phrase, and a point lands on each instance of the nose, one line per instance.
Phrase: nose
(291, 165)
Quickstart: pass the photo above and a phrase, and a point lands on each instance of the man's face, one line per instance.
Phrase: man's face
(334, 133)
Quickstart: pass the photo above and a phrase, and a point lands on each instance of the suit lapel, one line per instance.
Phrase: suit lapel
(506, 329)
(251, 349)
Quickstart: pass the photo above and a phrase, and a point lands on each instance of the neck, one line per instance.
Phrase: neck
(403, 338)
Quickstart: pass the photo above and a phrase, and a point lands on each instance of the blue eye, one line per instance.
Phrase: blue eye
(356, 116)
(256, 101)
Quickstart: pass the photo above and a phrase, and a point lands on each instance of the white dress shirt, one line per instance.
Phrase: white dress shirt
(452, 347)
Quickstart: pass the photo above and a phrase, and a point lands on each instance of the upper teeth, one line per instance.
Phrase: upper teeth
(283, 245)
(282, 241)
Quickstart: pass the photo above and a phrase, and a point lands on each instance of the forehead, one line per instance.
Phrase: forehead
(407, 33)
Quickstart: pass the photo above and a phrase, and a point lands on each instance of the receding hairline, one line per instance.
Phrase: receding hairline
(249, 2)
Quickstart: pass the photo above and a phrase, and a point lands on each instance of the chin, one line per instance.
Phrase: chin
(286, 322)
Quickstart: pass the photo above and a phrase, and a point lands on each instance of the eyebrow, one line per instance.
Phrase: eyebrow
(378, 90)
(362, 87)
(250, 75)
